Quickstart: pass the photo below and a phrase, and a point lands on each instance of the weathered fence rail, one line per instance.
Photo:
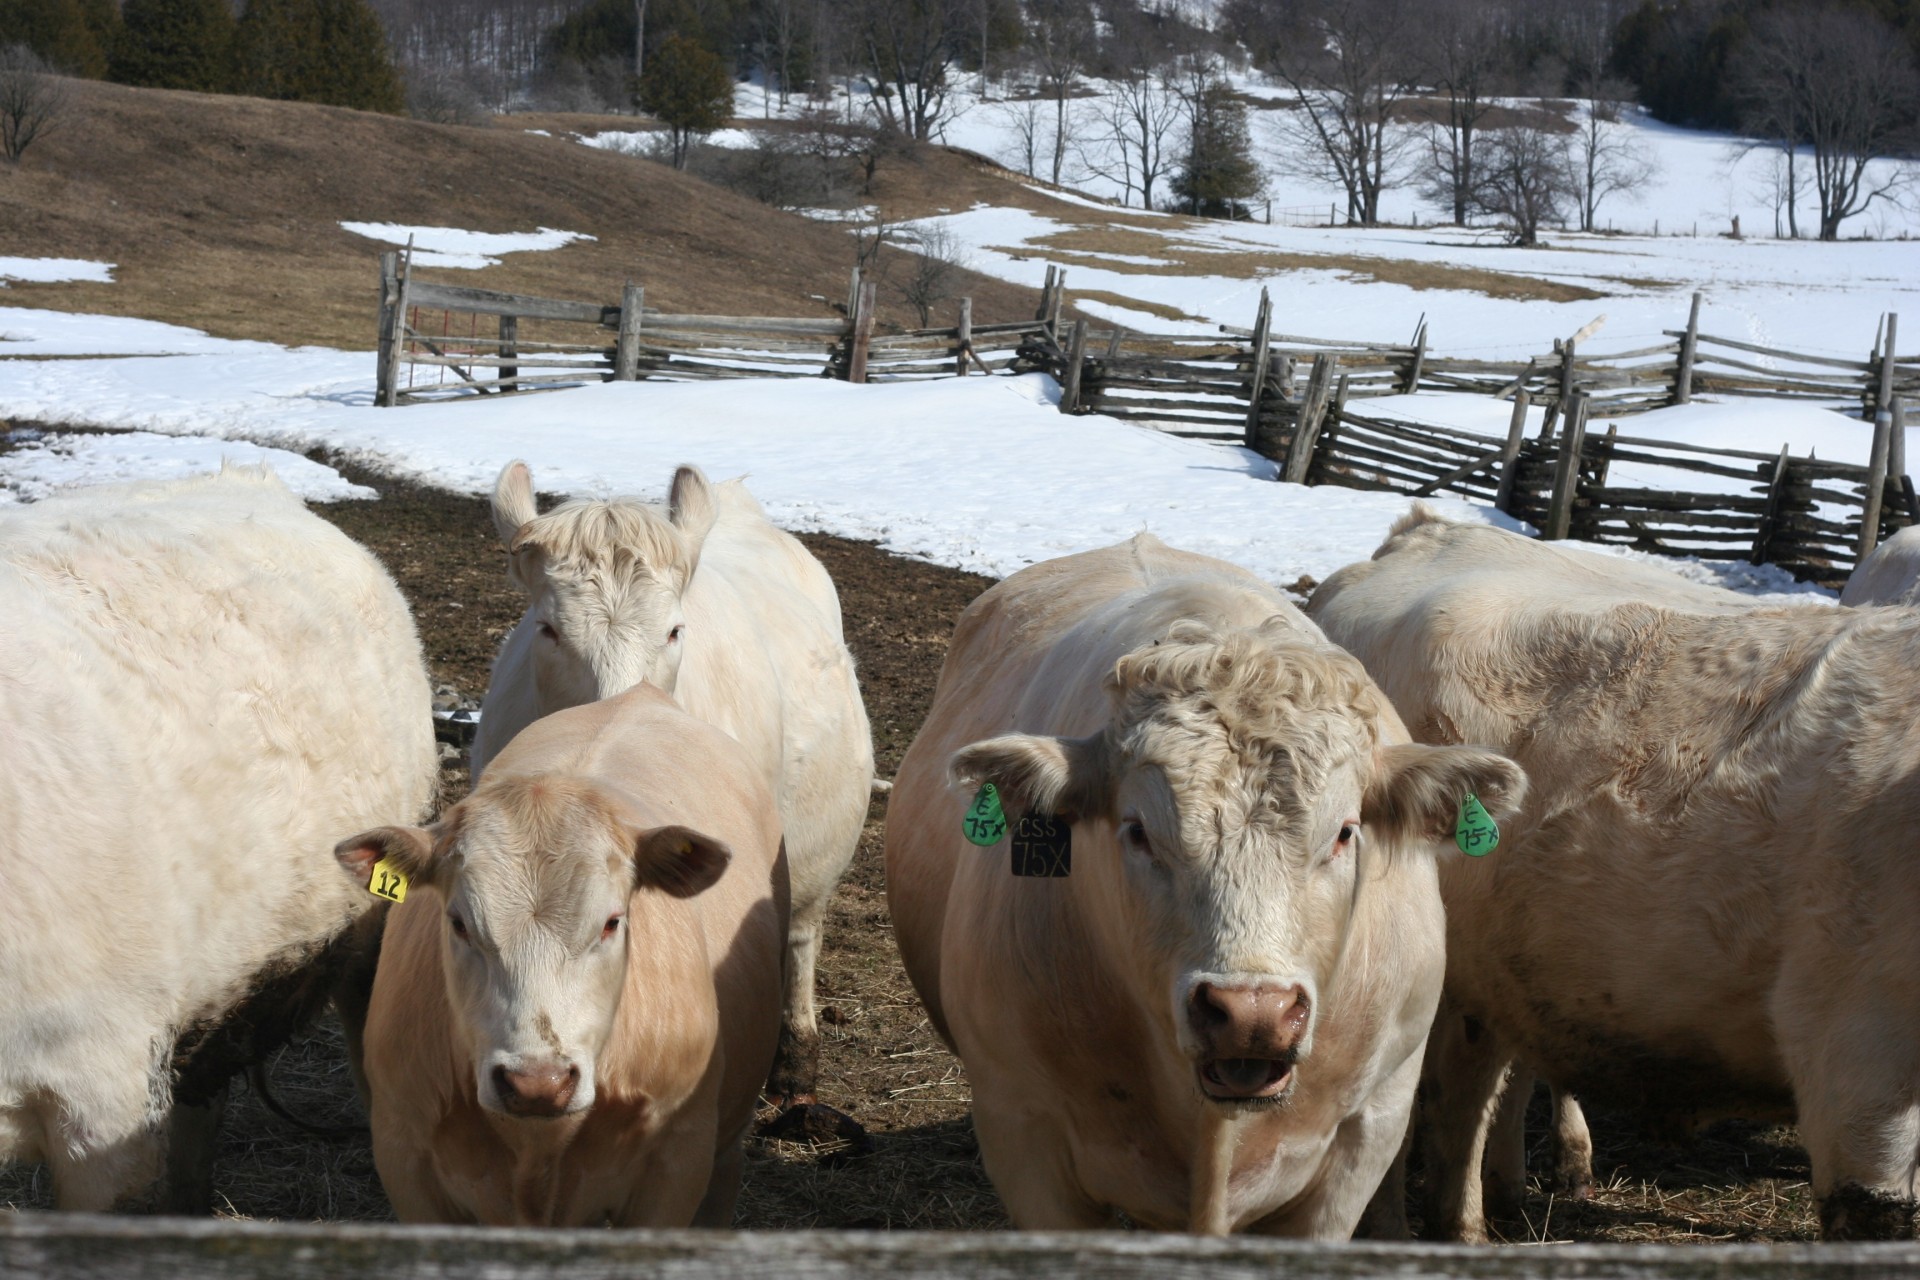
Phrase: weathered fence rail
(90, 1247)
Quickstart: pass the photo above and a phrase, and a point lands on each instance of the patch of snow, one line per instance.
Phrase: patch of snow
(463, 250)
(40, 464)
(54, 271)
(27, 331)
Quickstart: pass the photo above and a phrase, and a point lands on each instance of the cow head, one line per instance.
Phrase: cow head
(604, 583)
(536, 876)
(1221, 818)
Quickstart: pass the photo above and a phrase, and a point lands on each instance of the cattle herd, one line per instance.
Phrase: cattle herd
(1223, 905)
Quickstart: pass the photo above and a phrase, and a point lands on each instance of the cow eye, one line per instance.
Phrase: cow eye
(459, 926)
(547, 631)
(1348, 831)
(673, 636)
(612, 927)
(1133, 833)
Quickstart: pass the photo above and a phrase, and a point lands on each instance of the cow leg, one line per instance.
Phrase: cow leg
(1503, 1180)
(1572, 1148)
(1862, 1132)
(796, 1064)
(193, 1132)
(93, 1173)
(1459, 1091)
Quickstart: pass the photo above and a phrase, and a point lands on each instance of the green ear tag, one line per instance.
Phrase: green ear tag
(986, 821)
(1475, 831)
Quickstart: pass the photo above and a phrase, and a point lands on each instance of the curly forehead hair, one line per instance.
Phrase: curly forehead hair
(1285, 709)
(619, 537)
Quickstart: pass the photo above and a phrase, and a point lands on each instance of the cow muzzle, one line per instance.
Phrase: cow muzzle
(1247, 1037)
(540, 1090)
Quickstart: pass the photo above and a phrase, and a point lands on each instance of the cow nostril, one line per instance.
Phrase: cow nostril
(503, 1084)
(1205, 1009)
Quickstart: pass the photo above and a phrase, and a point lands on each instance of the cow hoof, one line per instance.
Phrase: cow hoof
(1854, 1212)
(836, 1136)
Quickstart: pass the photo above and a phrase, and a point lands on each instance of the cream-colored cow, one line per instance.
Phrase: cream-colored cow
(1705, 907)
(1214, 1018)
(1889, 575)
(201, 684)
(709, 601)
(580, 995)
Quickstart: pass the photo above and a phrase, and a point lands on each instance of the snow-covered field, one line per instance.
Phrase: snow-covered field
(979, 473)
(463, 250)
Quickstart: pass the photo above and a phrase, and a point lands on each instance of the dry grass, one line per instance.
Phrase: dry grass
(1160, 309)
(223, 213)
(1108, 248)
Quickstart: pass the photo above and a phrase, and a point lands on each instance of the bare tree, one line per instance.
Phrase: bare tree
(33, 101)
(1526, 179)
(1350, 80)
(1462, 55)
(1020, 115)
(910, 46)
(1840, 83)
(1607, 158)
(1061, 37)
(1141, 113)
(940, 259)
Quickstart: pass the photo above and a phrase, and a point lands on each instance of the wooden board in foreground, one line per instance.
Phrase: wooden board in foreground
(84, 1246)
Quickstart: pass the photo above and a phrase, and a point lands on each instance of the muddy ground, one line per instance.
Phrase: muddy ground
(880, 1061)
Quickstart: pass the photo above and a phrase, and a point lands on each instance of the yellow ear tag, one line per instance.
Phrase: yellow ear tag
(388, 882)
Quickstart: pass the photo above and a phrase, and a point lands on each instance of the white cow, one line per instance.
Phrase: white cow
(707, 600)
(1889, 575)
(1705, 907)
(202, 685)
(579, 998)
(1211, 1014)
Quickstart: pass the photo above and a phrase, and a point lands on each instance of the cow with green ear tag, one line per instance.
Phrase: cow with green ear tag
(579, 992)
(1162, 868)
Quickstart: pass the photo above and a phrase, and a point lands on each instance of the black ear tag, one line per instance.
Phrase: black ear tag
(1042, 845)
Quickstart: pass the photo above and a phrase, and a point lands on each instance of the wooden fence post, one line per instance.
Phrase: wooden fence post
(1306, 428)
(626, 351)
(1689, 344)
(389, 289)
(393, 345)
(1566, 471)
(1510, 455)
(1883, 394)
(1762, 540)
(1258, 386)
(1876, 482)
(1076, 361)
(1058, 303)
(1418, 363)
(509, 348)
(1897, 447)
(1566, 376)
(853, 298)
(1046, 296)
(963, 336)
(862, 334)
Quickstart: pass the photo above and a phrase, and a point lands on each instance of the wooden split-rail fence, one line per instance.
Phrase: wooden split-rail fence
(1295, 399)
(438, 341)
(97, 1247)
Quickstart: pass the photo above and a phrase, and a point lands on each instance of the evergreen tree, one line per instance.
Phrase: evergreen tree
(687, 89)
(57, 30)
(174, 44)
(1219, 174)
(332, 51)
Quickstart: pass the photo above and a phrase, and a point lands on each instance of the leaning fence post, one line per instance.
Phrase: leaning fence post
(1566, 471)
(1258, 385)
(1883, 395)
(963, 336)
(382, 374)
(626, 351)
(1876, 481)
(1076, 361)
(1058, 302)
(862, 334)
(1418, 362)
(1046, 296)
(1689, 344)
(1306, 428)
(393, 345)
(1510, 455)
(1763, 540)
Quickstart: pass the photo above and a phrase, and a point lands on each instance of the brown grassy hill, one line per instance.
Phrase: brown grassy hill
(223, 213)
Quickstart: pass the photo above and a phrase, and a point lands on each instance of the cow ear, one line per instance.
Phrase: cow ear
(678, 860)
(691, 508)
(409, 849)
(1416, 791)
(1061, 776)
(513, 503)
